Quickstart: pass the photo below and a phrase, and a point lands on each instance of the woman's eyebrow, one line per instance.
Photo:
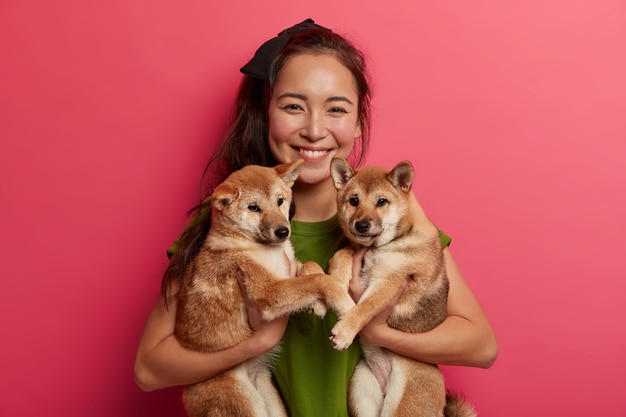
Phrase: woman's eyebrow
(339, 98)
(293, 95)
(305, 98)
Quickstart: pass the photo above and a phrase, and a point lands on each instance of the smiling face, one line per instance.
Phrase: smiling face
(313, 114)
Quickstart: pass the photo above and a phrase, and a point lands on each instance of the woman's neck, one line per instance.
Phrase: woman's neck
(315, 202)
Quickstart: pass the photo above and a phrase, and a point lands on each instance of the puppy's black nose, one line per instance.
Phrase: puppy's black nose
(282, 233)
(362, 226)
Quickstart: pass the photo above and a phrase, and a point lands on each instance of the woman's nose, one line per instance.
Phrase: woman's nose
(315, 128)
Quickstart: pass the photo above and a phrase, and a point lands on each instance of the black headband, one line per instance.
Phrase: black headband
(259, 65)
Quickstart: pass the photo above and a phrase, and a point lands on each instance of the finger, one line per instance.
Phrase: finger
(293, 265)
(355, 288)
(359, 254)
(357, 263)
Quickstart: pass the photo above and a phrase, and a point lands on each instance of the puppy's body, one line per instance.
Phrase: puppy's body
(249, 233)
(377, 210)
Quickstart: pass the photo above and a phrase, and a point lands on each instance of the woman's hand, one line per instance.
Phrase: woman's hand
(161, 361)
(464, 338)
(355, 288)
(266, 334)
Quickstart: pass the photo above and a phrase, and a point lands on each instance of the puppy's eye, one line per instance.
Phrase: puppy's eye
(354, 201)
(254, 207)
(280, 201)
(381, 202)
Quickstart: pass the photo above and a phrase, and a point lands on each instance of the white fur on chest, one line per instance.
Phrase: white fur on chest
(276, 259)
(375, 261)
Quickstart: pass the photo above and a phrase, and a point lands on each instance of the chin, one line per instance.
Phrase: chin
(314, 177)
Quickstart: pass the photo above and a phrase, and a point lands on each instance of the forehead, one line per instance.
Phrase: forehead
(315, 74)
(369, 181)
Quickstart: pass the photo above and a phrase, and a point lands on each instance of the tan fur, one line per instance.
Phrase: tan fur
(249, 233)
(377, 210)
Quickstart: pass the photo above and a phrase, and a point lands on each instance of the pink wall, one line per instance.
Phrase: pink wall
(514, 114)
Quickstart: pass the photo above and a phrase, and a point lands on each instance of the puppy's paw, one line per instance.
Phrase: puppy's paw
(319, 308)
(340, 265)
(341, 337)
(342, 257)
(309, 268)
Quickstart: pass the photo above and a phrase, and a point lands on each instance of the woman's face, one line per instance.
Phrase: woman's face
(313, 114)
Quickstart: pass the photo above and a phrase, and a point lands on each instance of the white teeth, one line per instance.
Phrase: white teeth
(312, 154)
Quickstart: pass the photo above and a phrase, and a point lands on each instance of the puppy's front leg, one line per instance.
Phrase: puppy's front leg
(340, 271)
(374, 300)
(319, 306)
(340, 266)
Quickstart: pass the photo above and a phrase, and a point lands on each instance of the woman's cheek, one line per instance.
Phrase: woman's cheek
(345, 134)
(276, 133)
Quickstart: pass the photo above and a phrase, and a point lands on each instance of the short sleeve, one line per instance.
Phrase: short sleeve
(445, 239)
(197, 218)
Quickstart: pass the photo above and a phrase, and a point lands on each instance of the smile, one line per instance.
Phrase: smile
(312, 154)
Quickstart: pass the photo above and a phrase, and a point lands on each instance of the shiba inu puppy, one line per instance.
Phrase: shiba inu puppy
(377, 210)
(249, 236)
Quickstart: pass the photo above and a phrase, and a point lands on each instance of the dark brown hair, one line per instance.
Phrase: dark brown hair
(246, 142)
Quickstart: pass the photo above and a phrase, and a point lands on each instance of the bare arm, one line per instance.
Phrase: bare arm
(162, 362)
(464, 338)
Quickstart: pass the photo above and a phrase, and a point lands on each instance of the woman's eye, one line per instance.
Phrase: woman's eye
(254, 208)
(280, 201)
(292, 107)
(381, 202)
(337, 110)
(354, 201)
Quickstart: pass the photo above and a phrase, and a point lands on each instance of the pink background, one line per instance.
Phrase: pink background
(514, 114)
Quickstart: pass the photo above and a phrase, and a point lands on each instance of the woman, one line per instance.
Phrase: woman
(304, 95)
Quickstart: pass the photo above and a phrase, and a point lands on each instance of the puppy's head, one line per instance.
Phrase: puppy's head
(254, 202)
(372, 202)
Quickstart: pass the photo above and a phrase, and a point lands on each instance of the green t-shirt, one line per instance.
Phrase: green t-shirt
(311, 376)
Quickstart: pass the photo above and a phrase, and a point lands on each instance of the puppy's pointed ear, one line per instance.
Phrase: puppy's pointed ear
(341, 171)
(401, 176)
(289, 172)
(223, 195)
